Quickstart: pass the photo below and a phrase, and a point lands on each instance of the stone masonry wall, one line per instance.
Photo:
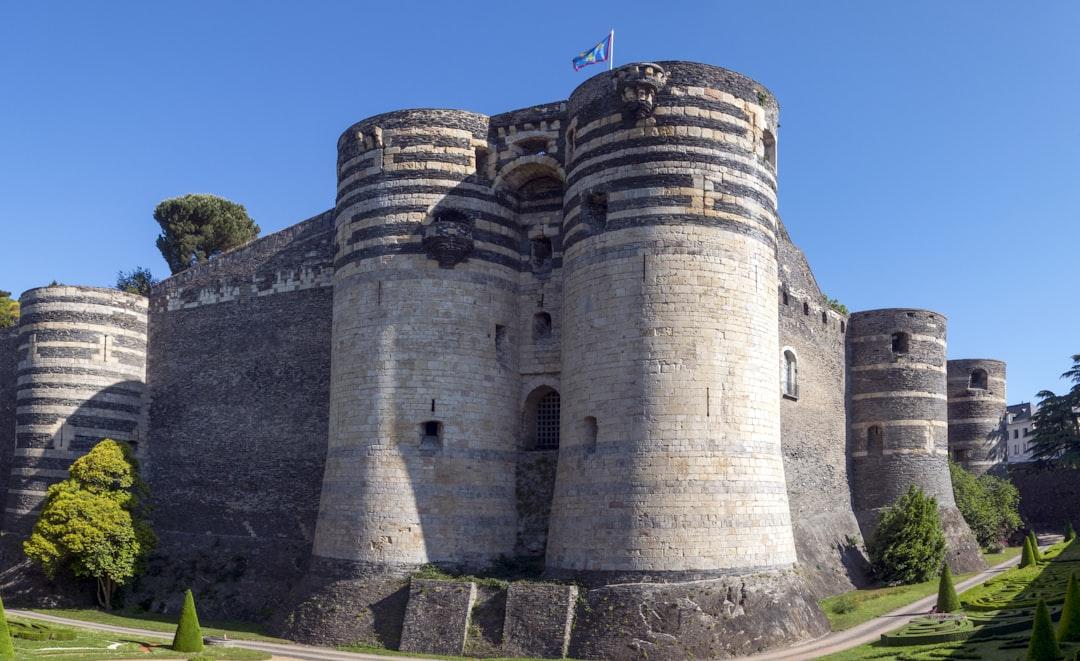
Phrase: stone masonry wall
(8, 342)
(239, 371)
(977, 413)
(813, 428)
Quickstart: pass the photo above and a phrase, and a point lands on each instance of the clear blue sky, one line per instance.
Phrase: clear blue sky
(928, 150)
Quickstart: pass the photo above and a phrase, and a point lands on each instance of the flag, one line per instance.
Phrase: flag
(601, 52)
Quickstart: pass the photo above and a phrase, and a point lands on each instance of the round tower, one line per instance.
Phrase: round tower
(420, 462)
(81, 378)
(899, 419)
(976, 413)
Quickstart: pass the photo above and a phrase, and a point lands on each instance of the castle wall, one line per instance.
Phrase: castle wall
(898, 419)
(813, 427)
(1048, 498)
(976, 399)
(239, 374)
(80, 378)
(8, 352)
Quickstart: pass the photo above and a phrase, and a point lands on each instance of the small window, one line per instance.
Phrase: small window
(824, 317)
(1026, 433)
(451, 216)
(533, 147)
(806, 308)
(541, 254)
(1016, 433)
(875, 440)
(431, 435)
(843, 327)
(791, 375)
(596, 209)
(502, 346)
(482, 157)
(547, 421)
(901, 343)
(571, 141)
(541, 326)
(978, 379)
(592, 431)
(784, 297)
(770, 147)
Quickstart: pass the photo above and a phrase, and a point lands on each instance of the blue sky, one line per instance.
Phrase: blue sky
(928, 150)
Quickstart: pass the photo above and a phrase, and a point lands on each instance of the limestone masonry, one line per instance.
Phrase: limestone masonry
(575, 335)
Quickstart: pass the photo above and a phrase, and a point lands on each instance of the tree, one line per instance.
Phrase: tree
(188, 636)
(1069, 625)
(990, 505)
(94, 523)
(195, 228)
(947, 599)
(9, 310)
(1043, 645)
(908, 545)
(836, 305)
(1027, 558)
(1057, 433)
(136, 281)
(7, 646)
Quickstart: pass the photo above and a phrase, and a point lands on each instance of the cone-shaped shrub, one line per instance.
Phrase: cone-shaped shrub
(188, 637)
(1026, 557)
(1035, 552)
(1069, 624)
(1070, 534)
(1043, 645)
(947, 601)
(7, 649)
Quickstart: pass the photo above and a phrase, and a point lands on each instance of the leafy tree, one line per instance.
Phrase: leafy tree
(1057, 433)
(908, 545)
(1043, 645)
(9, 310)
(1069, 625)
(836, 305)
(195, 228)
(94, 523)
(7, 646)
(990, 505)
(947, 599)
(136, 281)
(188, 637)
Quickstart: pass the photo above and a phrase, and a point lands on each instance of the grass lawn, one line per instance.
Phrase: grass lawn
(852, 608)
(996, 617)
(89, 645)
(158, 622)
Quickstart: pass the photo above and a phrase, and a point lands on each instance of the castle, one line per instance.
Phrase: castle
(576, 332)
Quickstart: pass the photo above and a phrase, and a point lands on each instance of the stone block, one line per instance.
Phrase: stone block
(539, 619)
(437, 616)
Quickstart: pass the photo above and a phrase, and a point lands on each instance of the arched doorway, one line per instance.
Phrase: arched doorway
(535, 484)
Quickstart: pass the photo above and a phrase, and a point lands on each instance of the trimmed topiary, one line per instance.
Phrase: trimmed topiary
(1027, 558)
(1070, 534)
(7, 646)
(188, 636)
(947, 600)
(1043, 645)
(1035, 552)
(1069, 625)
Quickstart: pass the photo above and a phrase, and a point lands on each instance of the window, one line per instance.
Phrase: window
(596, 209)
(770, 147)
(541, 254)
(533, 146)
(1016, 433)
(430, 435)
(978, 379)
(875, 441)
(482, 156)
(806, 308)
(824, 317)
(1026, 432)
(541, 326)
(547, 422)
(901, 343)
(592, 430)
(791, 374)
(784, 296)
(843, 327)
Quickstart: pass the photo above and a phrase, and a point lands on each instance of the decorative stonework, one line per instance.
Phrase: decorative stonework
(638, 85)
(449, 238)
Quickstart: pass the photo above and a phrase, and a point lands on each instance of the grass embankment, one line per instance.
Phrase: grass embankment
(159, 622)
(86, 645)
(995, 624)
(853, 608)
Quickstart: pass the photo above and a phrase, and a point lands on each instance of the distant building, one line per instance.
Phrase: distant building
(1019, 432)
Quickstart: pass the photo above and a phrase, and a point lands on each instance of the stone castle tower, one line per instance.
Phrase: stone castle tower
(548, 336)
(976, 413)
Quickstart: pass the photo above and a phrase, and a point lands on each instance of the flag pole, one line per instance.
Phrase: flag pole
(611, 49)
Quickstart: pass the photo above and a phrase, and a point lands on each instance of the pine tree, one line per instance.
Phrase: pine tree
(1043, 645)
(908, 545)
(1069, 625)
(947, 600)
(188, 636)
(7, 647)
(1026, 557)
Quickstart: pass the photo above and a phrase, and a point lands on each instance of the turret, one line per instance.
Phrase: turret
(976, 413)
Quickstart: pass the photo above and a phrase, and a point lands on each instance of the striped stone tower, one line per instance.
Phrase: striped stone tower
(898, 419)
(976, 413)
(81, 377)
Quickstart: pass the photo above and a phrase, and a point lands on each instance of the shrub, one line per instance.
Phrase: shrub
(1070, 534)
(1027, 558)
(908, 545)
(990, 505)
(844, 604)
(1043, 645)
(188, 636)
(7, 647)
(1069, 624)
(947, 600)
(1035, 552)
